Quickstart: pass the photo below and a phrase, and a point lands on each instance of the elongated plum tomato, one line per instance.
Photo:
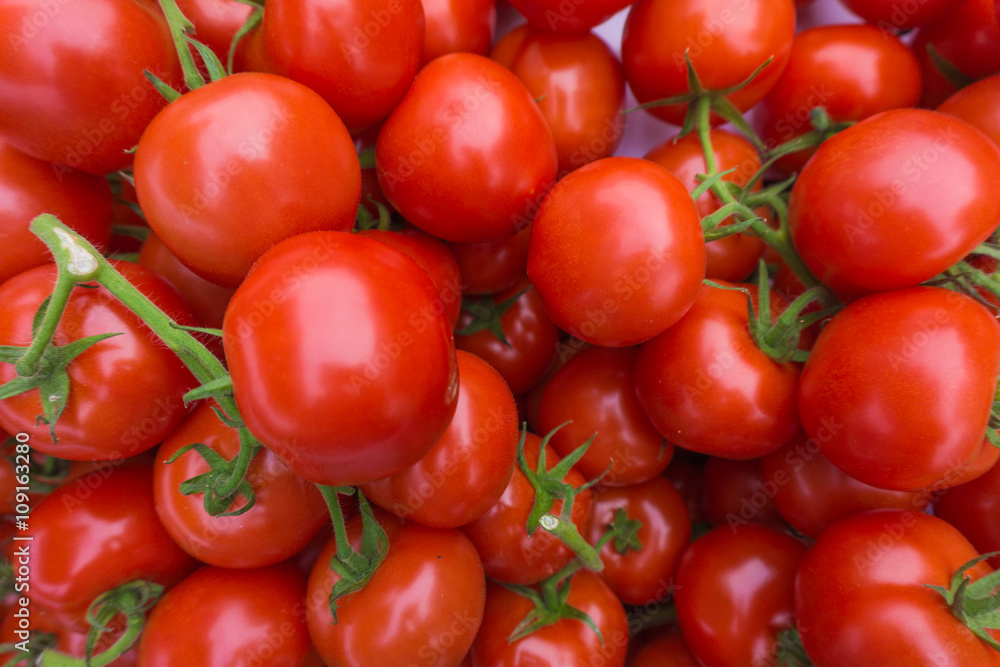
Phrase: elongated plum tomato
(605, 274)
(467, 155)
(214, 172)
(895, 200)
(899, 387)
(72, 88)
(726, 40)
(340, 362)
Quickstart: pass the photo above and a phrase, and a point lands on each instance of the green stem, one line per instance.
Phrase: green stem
(347, 554)
(28, 364)
(127, 640)
(179, 24)
(249, 446)
(571, 537)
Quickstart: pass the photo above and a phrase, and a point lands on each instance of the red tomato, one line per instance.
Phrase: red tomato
(424, 602)
(707, 387)
(41, 628)
(94, 534)
(360, 55)
(595, 393)
(812, 494)
(894, 200)
(340, 363)
(251, 616)
(974, 508)
(899, 385)
(492, 266)
(863, 587)
(72, 88)
(470, 466)
(735, 594)
(531, 336)
(667, 651)
(124, 392)
(444, 156)
(215, 22)
(733, 257)
(501, 536)
(889, 14)
(978, 105)
(727, 40)
(577, 16)
(642, 577)
(735, 493)
(29, 187)
(968, 37)
(852, 71)
(212, 175)
(263, 535)
(685, 472)
(580, 85)
(457, 26)
(606, 275)
(567, 642)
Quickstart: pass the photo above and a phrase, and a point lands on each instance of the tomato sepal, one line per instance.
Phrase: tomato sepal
(216, 388)
(218, 484)
(975, 603)
(486, 315)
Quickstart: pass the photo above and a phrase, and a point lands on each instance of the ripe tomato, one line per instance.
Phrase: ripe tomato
(595, 393)
(124, 392)
(567, 642)
(894, 200)
(643, 576)
(574, 17)
(978, 105)
(29, 187)
(889, 14)
(852, 71)
(733, 257)
(457, 26)
(735, 593)
(72, 88)
(424, 602)
(93, 534)
(899, 386)
(812, 494)
(340, 363)
(42, 628)
(509, 554)
(470, 466)
(580, 86)
(215, 22)
(666, 651)
(863, 587)
(706, 386)
(736, 492)
(263, 535)
(727, 40)
(218, 616)
(492, 266)
(360, 55)
(606, 275)
(974, 508)
(444, 155)
(212, 176)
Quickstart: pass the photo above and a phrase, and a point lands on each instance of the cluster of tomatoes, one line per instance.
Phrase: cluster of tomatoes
(335, 332)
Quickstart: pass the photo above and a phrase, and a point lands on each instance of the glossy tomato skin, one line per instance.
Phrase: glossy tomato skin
(642, 577)
(567, 642)
(978, 104)
(733, 257)
(509, 554)
(218, 616)
(94, 534)
(606, 275)
(735, 593)
(887, 14)
(466, 156)
(899, 385)
(531, 336)
(359, 55)
(212, 176)
(492, 266)
(595, 393)
(580, 85)
(727, 40)
(894, 200)
(470, 466)
(735, 492)
(456, 26)
(427, 596)
(215, 22)
(577, 18)
(72, 88)
(29, 187)
(707, 387)
(124, 392)
(864, 583)
(258, 538)
(974, 508)
(667, 651)
(358, 314)
(812, 494)
(852, 71)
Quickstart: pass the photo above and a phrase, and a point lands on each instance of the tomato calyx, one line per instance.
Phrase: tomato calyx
(181, 30)
(354, 567)
(976, 604)
(364, 220)
(486, 315)
(625, 532)
(790, 652)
